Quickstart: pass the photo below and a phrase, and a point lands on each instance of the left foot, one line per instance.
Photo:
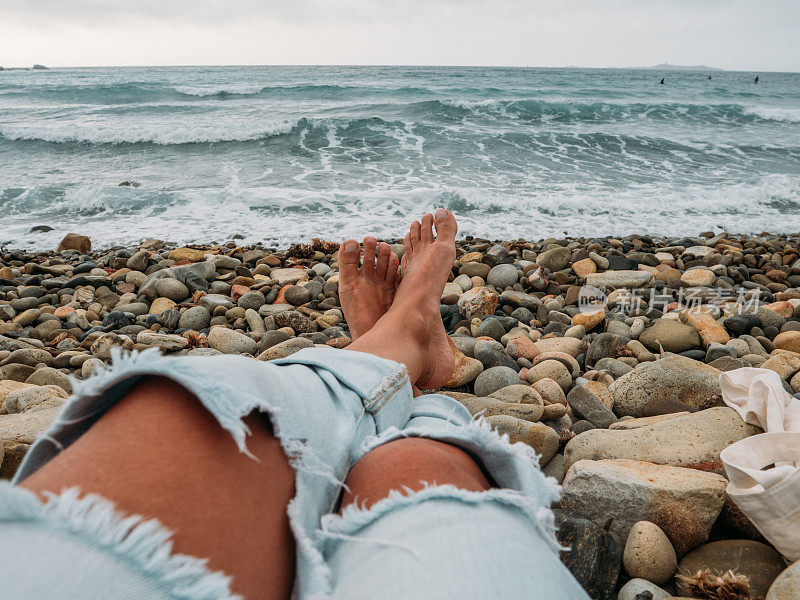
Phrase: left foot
(366, 293)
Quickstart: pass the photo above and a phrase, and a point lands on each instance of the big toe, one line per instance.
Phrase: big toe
(349, 255)
(446, 226)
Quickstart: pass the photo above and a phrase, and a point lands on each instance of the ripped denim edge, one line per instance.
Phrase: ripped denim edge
(143, 542)
(523, 479)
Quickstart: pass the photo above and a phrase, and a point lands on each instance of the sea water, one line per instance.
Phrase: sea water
(283, 154)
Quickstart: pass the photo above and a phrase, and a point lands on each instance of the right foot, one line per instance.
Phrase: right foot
(426, 266)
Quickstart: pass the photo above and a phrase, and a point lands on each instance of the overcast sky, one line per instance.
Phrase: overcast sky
(732, 34)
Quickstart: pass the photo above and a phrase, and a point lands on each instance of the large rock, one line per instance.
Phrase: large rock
(25, 426)
(593, 557)
(628, 491)
(619, 279)
(674, 378)
(671, 336)
(694, 440)
(759, 562)
(74, 241)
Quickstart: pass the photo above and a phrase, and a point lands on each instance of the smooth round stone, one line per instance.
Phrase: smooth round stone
(551, 369)
(196, 318)
(502, 276)
(633, 590)
(671, 335)
(50, 376)
(649, 553)
(550, 391)
(138, 262)
(490, 327)
(491, 358)
(23, 304)
(321, 269)
(230, 341)
(738, 325)
(272, 338)
(297, 295)
(252, 300)
(172, 289)
(495, 378)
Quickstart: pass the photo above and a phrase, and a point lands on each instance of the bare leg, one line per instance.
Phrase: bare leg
(159, 453)
(409, 463)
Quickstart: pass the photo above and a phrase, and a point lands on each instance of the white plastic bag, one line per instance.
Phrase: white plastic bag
(764, 470)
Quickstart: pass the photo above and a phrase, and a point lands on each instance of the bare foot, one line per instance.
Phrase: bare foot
(427, 262)
(366, 293)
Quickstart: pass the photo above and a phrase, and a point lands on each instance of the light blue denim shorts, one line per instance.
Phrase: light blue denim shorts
(328, 408)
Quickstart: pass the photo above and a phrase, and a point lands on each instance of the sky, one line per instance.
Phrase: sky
(756, 35)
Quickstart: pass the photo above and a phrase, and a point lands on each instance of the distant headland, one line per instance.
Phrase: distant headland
(33, 68)
(669, 67)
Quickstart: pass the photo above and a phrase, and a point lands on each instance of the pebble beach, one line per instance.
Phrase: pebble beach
(603, 354)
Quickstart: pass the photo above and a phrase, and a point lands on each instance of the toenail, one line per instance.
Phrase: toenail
(350, 246)
(440, 214)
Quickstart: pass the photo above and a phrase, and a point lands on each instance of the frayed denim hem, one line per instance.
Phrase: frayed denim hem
(513, 466)
(144, 543)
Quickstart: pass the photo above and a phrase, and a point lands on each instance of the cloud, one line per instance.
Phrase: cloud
(726, 33)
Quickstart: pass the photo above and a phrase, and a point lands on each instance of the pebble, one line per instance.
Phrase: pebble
(538, 436)
(635, 588)
(493, 379)
(649, 554)
(171, 289)
(230, 341)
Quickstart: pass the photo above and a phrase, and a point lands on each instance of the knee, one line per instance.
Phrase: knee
(411, 463)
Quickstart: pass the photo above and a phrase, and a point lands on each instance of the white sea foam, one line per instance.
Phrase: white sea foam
(186, 133)
(281, 216)
(788, 115)
(213, 90)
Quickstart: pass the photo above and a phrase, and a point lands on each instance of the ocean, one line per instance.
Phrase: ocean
(282, 154)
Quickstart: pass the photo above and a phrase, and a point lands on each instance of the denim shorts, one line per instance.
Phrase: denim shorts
(437, 543)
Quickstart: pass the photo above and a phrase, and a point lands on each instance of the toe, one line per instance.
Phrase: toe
(408, 245)
(426, 229)
(348, 260)
(416, 231)
(383, 261)
(446, 226)
(368, 264)
(391, 269)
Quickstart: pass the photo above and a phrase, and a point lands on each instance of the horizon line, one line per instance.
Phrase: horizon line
(463, 66)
